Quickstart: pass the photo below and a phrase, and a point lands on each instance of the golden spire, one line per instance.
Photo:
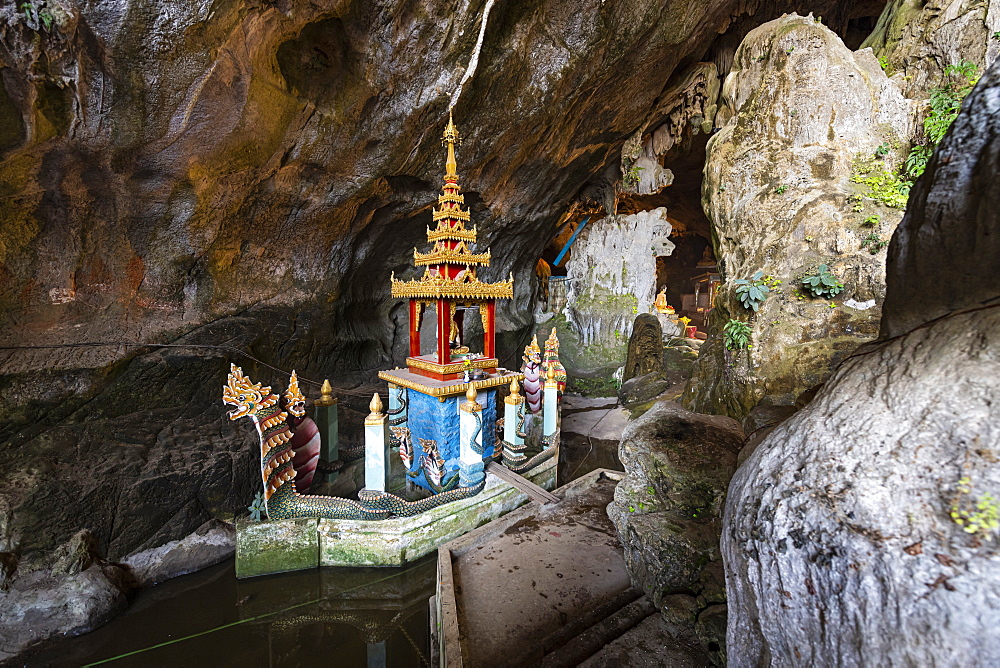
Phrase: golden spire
(326, 395)
(375, 406)
(514, 389)
(471, 405)
(450, 138)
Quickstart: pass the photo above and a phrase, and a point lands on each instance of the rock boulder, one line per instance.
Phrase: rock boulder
(862, 530)
(668, 508)
(645, 347)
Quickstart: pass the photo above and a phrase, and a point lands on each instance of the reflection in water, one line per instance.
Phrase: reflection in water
(329, 616)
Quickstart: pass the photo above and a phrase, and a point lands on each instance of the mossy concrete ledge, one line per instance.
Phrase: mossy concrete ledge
(396, 541)
(288, 545)
(276, 547)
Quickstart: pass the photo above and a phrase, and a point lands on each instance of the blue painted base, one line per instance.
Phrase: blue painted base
(430, 418)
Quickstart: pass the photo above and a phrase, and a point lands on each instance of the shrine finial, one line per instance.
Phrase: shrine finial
(451, 137)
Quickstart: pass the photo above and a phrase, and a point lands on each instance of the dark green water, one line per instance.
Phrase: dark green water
(331, 617)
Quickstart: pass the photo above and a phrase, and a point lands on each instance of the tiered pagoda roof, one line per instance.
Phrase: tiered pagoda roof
(450, 263)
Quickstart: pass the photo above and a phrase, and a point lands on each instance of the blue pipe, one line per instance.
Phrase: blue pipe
(569, 243)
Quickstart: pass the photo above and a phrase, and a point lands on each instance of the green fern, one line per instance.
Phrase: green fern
(737, 334)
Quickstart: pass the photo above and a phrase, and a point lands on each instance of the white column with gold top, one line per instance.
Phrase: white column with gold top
(376, 446)
(471, 444)
(550, 404)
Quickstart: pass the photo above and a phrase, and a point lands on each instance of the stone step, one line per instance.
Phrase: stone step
(606, 624)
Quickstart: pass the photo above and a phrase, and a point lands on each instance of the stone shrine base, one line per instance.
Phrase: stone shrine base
(289, 545)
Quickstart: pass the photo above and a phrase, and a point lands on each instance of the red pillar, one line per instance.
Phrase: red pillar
(414, 330)
(489, 342)
(443, 331)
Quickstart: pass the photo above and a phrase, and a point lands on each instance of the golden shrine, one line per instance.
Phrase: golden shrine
(449, 283)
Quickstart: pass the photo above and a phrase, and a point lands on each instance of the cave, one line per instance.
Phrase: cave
(718, 388)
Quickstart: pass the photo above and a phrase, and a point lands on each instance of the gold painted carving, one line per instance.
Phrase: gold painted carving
(439, 287)
(376, 417)
(456, 232)
(449, 390)
(458, 255)
(471, 405)
(454, 198)
(457, 367)
(450, 214)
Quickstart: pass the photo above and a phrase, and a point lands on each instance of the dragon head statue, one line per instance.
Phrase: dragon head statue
(293, 395)
(532, 353)
(244, 394)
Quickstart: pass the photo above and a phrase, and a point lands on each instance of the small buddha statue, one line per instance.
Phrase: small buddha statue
(706, 258)
(661, 304)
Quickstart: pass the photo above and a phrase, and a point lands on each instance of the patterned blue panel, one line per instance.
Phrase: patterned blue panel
(489, 421)
(432, 419)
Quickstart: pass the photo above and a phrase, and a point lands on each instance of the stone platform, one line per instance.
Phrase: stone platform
(276, 547)
(546, 585)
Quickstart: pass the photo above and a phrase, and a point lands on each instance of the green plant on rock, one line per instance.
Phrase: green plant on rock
(632, 176)
(257, 507)
(884, 186)
(872, 221)
(944, 104)
(780, 189)
(753, 291)
(916, 161)
(737, 334)
(37, 15)
(874, 243)
(979, 516)
(823, 284)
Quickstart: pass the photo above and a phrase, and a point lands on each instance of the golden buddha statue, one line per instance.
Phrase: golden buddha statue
(661, 304)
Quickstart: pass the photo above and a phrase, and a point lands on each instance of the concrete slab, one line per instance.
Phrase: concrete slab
(275, 547)
(526, 575)
(572, 403)
(598, 422)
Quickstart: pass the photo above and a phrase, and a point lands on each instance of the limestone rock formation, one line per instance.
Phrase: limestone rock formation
(802, 109)
(916, 39)
(613, 272)
(935, 266)
(863, 529)
(668, 509)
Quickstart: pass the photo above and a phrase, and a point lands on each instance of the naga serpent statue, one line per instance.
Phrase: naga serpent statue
(552, 361)
(532, 371)
(281, 499)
